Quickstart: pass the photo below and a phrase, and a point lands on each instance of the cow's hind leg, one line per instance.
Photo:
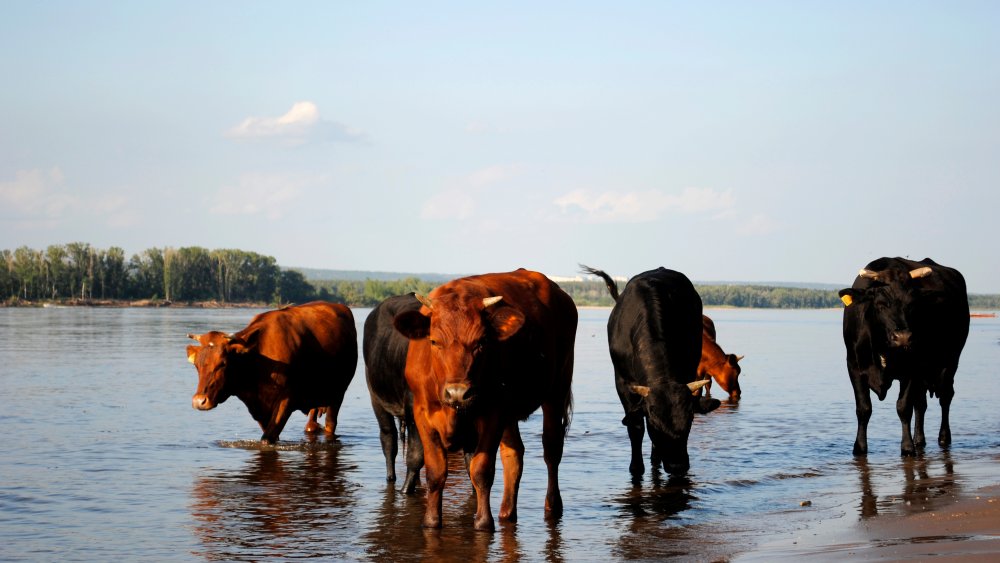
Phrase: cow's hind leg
(332, 412)
(414, 457)
(636, 425)
(945, 394)
(512, 456)
(919, 409)
(388, 437)
(555, 421)
(863, 409)
(312, 420)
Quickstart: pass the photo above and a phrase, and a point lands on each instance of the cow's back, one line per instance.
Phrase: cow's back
(656, 328)
(385, 351)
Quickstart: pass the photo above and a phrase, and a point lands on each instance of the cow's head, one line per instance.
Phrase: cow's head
(888, 303)
(670, 409)
(459, 330)
(215, 352)
(728, 376)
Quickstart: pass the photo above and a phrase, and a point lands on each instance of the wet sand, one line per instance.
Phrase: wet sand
(964, 526)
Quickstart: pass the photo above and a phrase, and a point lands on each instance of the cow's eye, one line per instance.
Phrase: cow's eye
(435, 343)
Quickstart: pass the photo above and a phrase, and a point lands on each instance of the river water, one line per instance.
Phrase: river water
(105, 459)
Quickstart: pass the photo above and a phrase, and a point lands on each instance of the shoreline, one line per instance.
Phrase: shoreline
(965, 526)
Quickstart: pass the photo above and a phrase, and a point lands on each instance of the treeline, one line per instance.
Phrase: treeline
(592, 293)
(78, 271)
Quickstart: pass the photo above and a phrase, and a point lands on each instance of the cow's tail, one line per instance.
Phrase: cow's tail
(612, 286)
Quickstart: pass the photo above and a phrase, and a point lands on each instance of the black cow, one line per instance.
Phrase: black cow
(654, 333)
(384, 350)
(905, 321)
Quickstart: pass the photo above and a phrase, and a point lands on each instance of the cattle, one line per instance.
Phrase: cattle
(384, 350)
(296, 358)
(906, 321)
(655, 336)
(485, 352)
(716, 364)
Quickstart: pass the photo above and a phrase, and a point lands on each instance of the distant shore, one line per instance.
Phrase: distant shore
(139, 303)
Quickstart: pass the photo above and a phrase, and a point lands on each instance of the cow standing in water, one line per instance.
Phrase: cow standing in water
(655, 336)
(906, 321)
(718, 365)
(385, 352)
(485, 352)
(296, 358)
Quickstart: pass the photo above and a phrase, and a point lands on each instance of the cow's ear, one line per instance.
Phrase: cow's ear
(192, 352)
(705, 405)
(412, 325)
(850, 296)
(506, 321)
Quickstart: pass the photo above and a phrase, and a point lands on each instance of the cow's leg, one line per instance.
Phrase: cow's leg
(436, 462)
(512, 456)
(919, 409)
(904, 408)
(414, 457)
(279, 416)
(482, 471)
(863, 409)
(636, 425)
(332, 412)
(388, 438)
(945, 394)
(555, 420)
(312, 424)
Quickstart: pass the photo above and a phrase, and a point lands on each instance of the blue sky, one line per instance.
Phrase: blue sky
(757, 141)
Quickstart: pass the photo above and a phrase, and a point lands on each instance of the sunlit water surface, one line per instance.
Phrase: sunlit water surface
(105, 458)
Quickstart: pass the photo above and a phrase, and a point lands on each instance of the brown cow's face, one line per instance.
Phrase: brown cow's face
(458, 333)
(728, 376)
(211, 358)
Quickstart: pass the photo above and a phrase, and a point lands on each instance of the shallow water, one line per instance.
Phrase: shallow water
(106, 458)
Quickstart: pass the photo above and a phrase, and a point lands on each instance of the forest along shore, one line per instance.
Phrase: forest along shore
(141, 303)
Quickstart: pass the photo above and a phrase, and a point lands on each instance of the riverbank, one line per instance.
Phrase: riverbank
(962, 526)
(121, 303)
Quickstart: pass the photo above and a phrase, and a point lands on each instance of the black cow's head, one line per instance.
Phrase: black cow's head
(670, 409)
(213, 357)
(459, 330)
(887, 303)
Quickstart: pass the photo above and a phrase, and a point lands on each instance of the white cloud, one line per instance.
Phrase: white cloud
(36, 192)
(260, 194)
(460, 202)
(636, 207)
(758, 225)
(300, 124)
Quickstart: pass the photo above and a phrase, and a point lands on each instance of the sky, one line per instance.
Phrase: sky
(745, 141)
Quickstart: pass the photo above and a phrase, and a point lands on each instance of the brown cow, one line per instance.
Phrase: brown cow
(485, 352)
(296, 358)
(715, 363)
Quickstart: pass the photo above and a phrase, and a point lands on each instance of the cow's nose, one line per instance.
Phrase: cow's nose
(900, 338)
(456, 394)
(201, 402)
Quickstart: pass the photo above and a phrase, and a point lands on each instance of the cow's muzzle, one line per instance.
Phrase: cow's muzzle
(202, 402)
(900, 338)
(457, 395)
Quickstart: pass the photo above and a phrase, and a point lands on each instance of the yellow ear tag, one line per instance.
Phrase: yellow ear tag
(191, 357)
(847, 300)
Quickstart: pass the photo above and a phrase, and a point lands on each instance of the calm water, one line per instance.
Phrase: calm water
(106, 459)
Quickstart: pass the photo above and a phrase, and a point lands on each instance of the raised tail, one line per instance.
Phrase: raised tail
(612, 286)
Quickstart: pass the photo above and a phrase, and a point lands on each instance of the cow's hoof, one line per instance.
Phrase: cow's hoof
(431, 521)
(860, 451)
(485, 524)
(636, 469)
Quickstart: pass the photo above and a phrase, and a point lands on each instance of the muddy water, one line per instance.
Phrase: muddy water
(105, 459)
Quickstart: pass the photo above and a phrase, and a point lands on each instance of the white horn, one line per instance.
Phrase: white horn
(425, 301)
(487, 301)
(868, 274)
(921, 272)
(694, 386)
(738, 358)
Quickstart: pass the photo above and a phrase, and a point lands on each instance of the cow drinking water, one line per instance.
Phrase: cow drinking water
(655, 337)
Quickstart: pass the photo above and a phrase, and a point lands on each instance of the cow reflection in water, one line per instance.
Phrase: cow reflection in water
(396, 535)
(279, 503)
(928, 482)
(645, 510)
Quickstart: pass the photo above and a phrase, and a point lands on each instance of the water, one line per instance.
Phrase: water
(105, 458)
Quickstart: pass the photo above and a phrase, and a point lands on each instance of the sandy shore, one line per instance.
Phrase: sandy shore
(962, 527)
